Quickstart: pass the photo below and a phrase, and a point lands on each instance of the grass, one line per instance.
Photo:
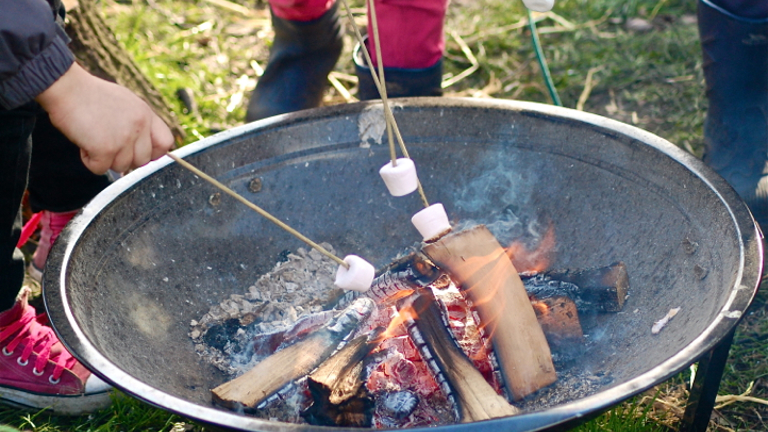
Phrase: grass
(651, 79)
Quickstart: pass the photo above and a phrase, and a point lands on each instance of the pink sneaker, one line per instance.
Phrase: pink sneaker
(35, 369)
(51, 224)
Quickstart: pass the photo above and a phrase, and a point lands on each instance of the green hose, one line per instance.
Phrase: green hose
(542, 61)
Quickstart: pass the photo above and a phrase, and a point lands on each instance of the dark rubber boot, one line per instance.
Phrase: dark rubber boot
(400, 82)
(736, 129)
(302, 55)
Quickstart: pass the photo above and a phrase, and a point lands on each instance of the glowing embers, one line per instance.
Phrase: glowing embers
(426, 355)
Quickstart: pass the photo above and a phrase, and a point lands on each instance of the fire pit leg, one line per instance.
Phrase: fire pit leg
(702, 399)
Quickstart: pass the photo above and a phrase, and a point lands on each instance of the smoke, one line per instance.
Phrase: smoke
(500, 197)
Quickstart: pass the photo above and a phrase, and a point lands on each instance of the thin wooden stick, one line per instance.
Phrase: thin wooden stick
(257, 209)
(383, 89)
(387, 111)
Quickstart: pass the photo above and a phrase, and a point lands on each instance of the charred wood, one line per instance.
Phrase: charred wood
(472, 396)
(399, 404)
(292, 362)
(476, 260)
(399, 279)
(559, 319)
(601, 289)
(338, 389)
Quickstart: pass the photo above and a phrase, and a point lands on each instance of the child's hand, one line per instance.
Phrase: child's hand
(113, 127)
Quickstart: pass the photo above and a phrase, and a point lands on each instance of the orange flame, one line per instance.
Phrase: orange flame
(540, 308)
(400, 318)
(533, 260)
(491, 270)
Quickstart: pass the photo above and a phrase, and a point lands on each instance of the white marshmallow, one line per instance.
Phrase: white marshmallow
(539, 5)
(432, 221)
(358, 277)
(400, 179)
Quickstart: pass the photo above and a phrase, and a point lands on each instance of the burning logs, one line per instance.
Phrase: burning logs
(478, 262)
(559, 320)
(400, 279)
(601, 289)
(474, 399)
(337, 387)
(292, 362)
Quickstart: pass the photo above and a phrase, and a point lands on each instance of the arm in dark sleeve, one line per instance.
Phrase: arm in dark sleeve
(33, 51)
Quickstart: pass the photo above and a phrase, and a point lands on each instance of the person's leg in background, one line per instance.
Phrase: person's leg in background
(307, 44)
(59, 185)
(412, 45)
(734, 40)
(15, 152)
(35, 369)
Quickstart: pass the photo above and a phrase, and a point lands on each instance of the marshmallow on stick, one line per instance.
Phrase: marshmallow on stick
(432, 222)
(358, 277)
(401, 179)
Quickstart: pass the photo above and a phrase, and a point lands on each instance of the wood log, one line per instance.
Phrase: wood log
(98, 51)
(338, 390)
(602, 289)
(292, 362)
(474, 398)
(476, 260)
(559, 320)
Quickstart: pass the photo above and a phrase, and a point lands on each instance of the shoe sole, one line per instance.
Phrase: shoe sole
(62, 405)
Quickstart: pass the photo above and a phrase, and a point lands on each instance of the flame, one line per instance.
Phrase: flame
(492, 271)
(540, 308)
(401, 317)
(536, 260)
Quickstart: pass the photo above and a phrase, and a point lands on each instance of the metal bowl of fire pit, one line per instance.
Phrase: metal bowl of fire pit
(159, 248)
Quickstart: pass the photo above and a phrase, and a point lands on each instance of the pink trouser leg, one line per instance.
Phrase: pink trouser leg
(300, 10)
(410, 31)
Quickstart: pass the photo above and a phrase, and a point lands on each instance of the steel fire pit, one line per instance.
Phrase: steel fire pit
(158, 248)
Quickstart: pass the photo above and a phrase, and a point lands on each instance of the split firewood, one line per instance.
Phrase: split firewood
(602, 289)
(292, 362)
(338, 389)
(476, 260)
(559, 320)
(472, 396)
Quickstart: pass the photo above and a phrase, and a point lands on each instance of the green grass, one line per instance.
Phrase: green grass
(125, 414)
(651, 79)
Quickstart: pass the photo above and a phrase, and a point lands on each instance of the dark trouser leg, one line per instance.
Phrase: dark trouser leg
(58, 180)
(412, 45)
(15, 148)
(302, 55)
(735, 54)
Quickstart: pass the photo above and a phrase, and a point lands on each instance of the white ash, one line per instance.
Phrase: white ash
(571, 385)
(299, 286)
(660, 324)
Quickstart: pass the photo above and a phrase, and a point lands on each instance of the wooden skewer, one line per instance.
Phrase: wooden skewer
(381, 87)
(257, 209)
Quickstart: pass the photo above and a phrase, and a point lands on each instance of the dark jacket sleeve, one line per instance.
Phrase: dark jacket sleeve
(33, 51)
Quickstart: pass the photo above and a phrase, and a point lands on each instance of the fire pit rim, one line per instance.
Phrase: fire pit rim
(751, 252)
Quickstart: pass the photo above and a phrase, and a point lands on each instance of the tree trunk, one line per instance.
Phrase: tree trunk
(98, 51)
